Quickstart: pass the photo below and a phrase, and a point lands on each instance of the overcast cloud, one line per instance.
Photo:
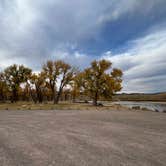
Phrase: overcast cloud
(144, 64)
(130, 33)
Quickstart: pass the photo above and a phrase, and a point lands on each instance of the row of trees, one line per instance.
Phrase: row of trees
(58, 78)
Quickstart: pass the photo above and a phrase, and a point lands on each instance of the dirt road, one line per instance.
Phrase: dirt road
(82, 138)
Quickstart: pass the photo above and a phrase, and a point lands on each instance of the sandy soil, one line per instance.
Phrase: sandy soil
(82, 138)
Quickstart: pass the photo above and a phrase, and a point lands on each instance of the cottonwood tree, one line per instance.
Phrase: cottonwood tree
(3, 87)
(77, 85)
(99, 81)
(65, 77)
(51, 70)
(14, 76)
(37, 82)
(57, 72)
(25, 92)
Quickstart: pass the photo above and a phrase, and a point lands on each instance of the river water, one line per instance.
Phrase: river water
(154, 106)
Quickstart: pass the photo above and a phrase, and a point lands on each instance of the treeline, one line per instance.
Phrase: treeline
(60, 81)
(160, 97)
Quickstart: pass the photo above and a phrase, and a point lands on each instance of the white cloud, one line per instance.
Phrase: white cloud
(32, 31)
(35, 28)
(76, 58)
(144, 63)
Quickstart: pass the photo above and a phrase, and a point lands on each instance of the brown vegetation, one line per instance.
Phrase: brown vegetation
(140, 97)
(60, 81)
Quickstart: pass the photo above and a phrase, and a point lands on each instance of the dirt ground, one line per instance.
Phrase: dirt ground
(82, 138)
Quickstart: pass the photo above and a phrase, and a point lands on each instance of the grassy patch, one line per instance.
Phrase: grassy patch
(51, 106)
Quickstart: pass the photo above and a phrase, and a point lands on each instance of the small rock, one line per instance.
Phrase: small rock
(100, 105)
(136, 107)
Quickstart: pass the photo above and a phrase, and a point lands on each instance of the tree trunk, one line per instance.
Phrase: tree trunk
(59, 94)
(95, 99)
(33, 97)
(14, 95)
(57, 98)
(53, 96)
(39, 94)
(40, 97)
(74, 99)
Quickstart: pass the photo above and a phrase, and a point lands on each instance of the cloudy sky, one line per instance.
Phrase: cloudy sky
(130, 33)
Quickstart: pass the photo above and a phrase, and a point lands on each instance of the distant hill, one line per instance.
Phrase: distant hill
(141, 97)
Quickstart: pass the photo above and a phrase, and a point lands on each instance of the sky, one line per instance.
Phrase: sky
(129, 33)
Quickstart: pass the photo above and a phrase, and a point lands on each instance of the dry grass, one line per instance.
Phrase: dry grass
(160, 97)
(60, 106)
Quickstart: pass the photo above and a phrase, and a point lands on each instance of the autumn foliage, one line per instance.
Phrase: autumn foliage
(60, 81)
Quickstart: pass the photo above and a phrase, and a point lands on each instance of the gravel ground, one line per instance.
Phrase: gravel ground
(82, 138)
